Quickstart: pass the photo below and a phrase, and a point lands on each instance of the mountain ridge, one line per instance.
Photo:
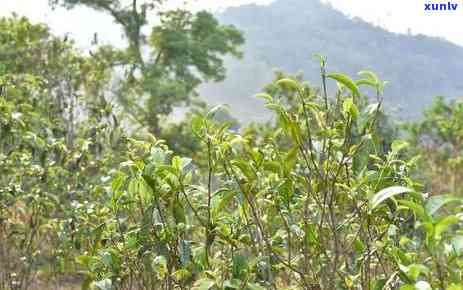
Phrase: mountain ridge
(286, 33)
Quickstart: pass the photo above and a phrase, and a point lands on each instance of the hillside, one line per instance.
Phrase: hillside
(287, 33)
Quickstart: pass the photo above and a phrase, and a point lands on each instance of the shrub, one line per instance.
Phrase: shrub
(313, 201)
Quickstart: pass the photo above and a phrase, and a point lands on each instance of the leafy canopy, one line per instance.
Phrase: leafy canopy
(164, 68)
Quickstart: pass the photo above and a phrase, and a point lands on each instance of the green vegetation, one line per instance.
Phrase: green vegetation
(184, 49)
(96, 192)
(439, 137)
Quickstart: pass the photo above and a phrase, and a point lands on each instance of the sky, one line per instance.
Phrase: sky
(394, 15)
(81, 23)
(401, 15)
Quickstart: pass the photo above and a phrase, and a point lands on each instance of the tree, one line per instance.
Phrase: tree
(438, 138)
(74, 84)
(184, 50)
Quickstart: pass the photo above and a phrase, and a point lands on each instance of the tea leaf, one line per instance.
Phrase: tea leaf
(387, 193)
(345, 80)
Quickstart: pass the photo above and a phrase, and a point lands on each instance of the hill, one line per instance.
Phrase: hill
(285, 35)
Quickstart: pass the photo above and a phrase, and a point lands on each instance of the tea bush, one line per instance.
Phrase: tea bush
(312, 201)
(312, 205)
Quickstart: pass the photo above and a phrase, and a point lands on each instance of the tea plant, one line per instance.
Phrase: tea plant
(319, 198)
(312, 203)
(41, 175)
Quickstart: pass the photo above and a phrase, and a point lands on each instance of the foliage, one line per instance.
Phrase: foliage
(290, 210)
(306, 205)
(438, 139)
(60, 126)
(185, 49)
(183, 141)
(67, 78)
(57, 135)
(322, 197)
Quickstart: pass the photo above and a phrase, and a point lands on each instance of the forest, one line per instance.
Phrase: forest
(101, 189)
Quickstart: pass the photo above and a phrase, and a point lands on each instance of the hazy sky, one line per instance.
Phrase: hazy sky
(399, 15)
(394, 15)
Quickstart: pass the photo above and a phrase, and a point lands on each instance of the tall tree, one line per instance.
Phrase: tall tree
(163, 69)
(75, 83)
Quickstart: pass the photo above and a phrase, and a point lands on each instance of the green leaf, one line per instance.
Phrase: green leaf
(398, 145)
(350, 109)
(274, 107)
(197, 123)
(214, 110)
(272, 166)
(387, 193)
(220, 200)
(83, 260)
(365, 82)
(290, 159)
(417, 209)
(430, 232)
(167, 169)
(245, 168)
(321, 58)
(345, 80)
(264, 96)
(288, 83)
(415, 270)
(444, 224)
(371, 76)
(438, 201)
(359, 246)
(118, 181)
